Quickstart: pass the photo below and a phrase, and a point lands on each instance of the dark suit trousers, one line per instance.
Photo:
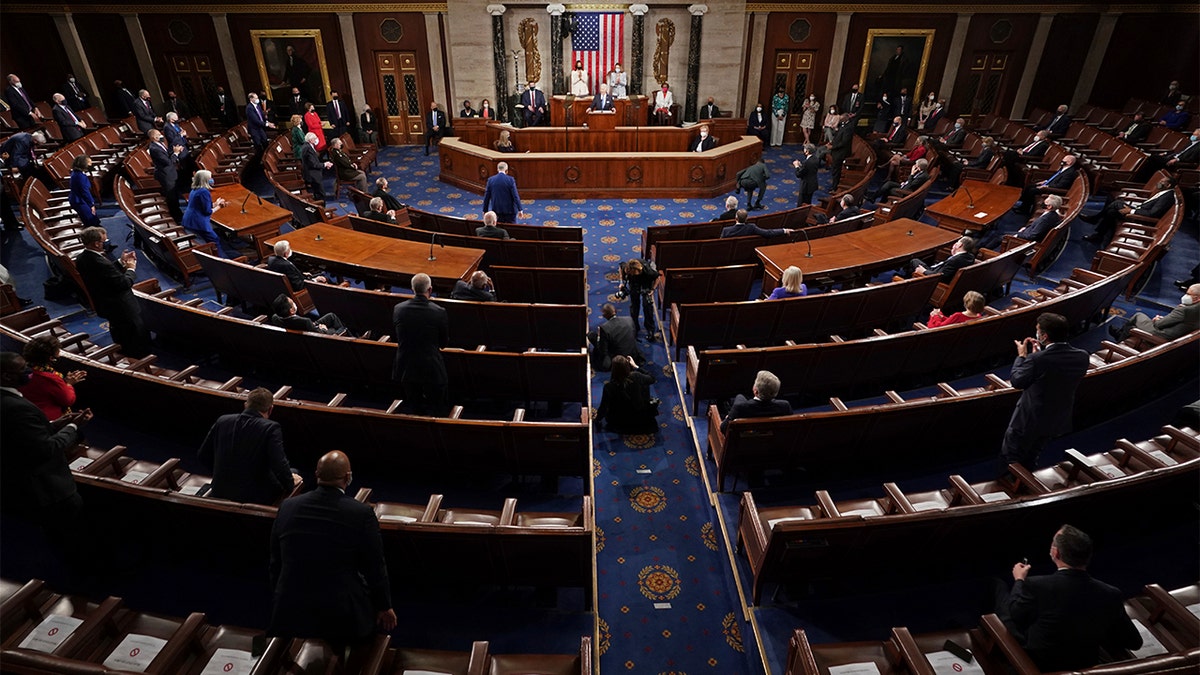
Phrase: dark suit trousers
(1022, 448)
(806, 196)
(426, 398)
(750, 186)
(171, 194)
(638, 301)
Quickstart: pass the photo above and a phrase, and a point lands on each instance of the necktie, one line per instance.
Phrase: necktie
(337, 112)
(1030, 146)
(22, 90)
(893, 134)
(433, 119)
(73, 117)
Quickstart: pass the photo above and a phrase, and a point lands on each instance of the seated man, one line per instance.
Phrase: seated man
(1187, 158)
(617, 336)
(962, 254)
(741, 228)
(766, 388)
(1107, 218)
(704, 141)
(1183, 319)
(894, 136)
(1058, 125)
(344, 166)
(246, 454)
(1035, 150)
(955, 137)
(1035, 230)
(1175, 119)
(479, 288)
(849, 210)
(731, 209)
(280, 263)
(377, 212)
(1064, 619)
(285, 317)
(390, 203)
(1062, 179)
(489, 228)
(1137, 131)
(917, 177)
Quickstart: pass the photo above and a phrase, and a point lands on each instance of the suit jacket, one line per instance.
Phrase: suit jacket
(256, 124)
(226, 109)
(1190, 154)
(174, 136)
(955, 137)
(501, 196)
(19, 148)
(36, 473)
(380, 216)
(756, 173)
(755, 407)
(1137, 132)
(1062, 180)
(915, 181)
(338, 116)
(981, 161)
(109, 284)
(602, 102)
(615, 337)
(1059, 125)
(1036, 149)
(301, 323)
(21, 109)
(807, 173)
(390, 203)
(245, 452)
(728, 215)
(1156, 206)
(708, 112)
(848, 213)
(903, 106)
(68, 123)
(311, 166)
(327, 568)
(77, 98)
(144, 112)
(288, 269)
(897, 135)
(1037, 229)
(851, 102)
(701, 144)
(1063, 619)
(126, 101)
(1182, 320)
(343, 164)
(492, 232)
(843, 139)
(948, 267)
(1049, 378)
(886, 109)
(747, 229)
(166, 169)
(441, 122)
(81, 197)
(757, 119)
(421, 329)
(465, 291)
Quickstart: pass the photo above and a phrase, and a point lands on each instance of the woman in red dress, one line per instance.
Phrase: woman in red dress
(52, 392)
(313, 121)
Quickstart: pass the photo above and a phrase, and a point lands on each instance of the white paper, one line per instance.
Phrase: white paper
(397, 518)
(772, 523)
(1150, 644)
(861, 512)
(50, 633)
(1112, 471)
(190, 489)
(229, 662)
(1194, 609)
(135, 652)
(80, 463)
(945, 663)
(424, 672)
(135, 477)
(1163, 457)
(927, 506)
(981, 214)
(994, 496)
(469, 522)
(662, 605)
(868, 668)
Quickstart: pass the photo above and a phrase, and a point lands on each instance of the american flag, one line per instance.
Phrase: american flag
(597, 41)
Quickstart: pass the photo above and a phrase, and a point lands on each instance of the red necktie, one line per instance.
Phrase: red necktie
(1030, 146)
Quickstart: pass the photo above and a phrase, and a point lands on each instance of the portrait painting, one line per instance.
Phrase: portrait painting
(291, 58)
(894, 59)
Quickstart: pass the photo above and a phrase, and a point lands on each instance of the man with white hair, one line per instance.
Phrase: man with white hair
(24, 113)
(17, 151)
(346, 170)
(731, 209)
(69, 124)
(421, 329)
(312, 167)
(489, 228)
(501, 196)
(376, 212)
(390, 202)
(766, 388)
(280, 263)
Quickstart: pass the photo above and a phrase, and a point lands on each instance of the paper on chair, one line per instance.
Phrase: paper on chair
(927, 506)
(50, 633)
(135, 477)
(855, 669)
(135, 652)
(1150, 644)
(994, 496)
(981, 214)
(944, 662)
(190, 489)
(80, 463)
(397, 518)
(1163, 457)
(861, 512)
(771, 523)
(424, 672)
(1112, 471)
(229, 662)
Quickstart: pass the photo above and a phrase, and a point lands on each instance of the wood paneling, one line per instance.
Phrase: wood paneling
(240, 26)
(369, 34)
(1062, 61)
(186, 36)
(1147, 52)
(984, 44)
(819, 42)
(31, 48)
(109, 52)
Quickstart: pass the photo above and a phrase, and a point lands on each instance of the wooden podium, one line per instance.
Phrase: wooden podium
(602, 121)
(626, 109)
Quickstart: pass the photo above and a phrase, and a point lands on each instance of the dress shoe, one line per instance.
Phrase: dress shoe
(1183, 284)
(1093, 237)
(25, 302)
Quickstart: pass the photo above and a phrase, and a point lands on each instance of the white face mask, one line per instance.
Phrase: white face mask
(71, 80)
(812, 98)
(758, 109)
(1186, 299)
(703, 134)
(618, 69)
(930, 98)
(957, 125)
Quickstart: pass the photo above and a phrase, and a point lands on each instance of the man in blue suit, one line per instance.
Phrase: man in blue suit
(256, 122)
(246, 454)
(741, 228)
(501, 196)
(602, 100)
(17, 151)
(328, 572)
(1048, 369)
(535, 105)
(339, 117)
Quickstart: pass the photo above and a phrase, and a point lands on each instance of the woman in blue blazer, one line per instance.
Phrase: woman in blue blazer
(81, 198)
(198, 217)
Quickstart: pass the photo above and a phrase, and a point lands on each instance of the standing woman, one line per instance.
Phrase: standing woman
(198, 217)
(52, 392)
(81, 198)
(297, 134)
(626, 402)
(832, 120)
(579, 80)
(926, 109)
(367, 125)
(617, 81)
(812, 108)
(313, 121)
(779, 112)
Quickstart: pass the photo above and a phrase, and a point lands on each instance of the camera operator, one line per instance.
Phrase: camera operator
(638, 279)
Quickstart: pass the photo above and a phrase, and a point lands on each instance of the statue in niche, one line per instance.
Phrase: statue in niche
(665, 29)
(527, 33)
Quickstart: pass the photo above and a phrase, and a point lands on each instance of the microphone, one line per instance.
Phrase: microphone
(248, 195)
(432, 239)
(808, 241)
(969, 197)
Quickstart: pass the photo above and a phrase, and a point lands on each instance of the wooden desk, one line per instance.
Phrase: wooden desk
(259, 220)
(391, 261)
(630, 111)
(978, 210)
(854, 255)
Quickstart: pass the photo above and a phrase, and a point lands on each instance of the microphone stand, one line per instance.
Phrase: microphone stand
(808, 241)
(971, 205)
(433, 238)
(637, 125)
(248, 195)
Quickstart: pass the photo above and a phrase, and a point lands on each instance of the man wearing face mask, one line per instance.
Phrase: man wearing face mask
(20, 104)
(339, 115)
(758, 125)
(1187, 158)
(1060, 180)
(77, 97)
(1049, 370)
(109, 283)
(709, 111)
(852, 102)
(1181, 320)
(1176, 118)
(1106, 219)
(955, 137)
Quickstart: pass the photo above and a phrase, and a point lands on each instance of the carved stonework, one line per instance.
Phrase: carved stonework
(639, 37)
(500, 64)
(693, 70)
(558, 82)
(527, 32)
(665, 30)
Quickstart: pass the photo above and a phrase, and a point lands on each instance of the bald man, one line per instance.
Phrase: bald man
(327, 569)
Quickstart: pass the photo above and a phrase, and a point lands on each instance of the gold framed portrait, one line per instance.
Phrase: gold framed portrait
(291, 58)
(891, 62)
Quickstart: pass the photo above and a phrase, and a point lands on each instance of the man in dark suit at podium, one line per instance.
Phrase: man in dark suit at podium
(602, 100)
(535, 105)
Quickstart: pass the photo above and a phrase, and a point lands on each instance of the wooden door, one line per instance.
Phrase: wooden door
(192, 81)
(793, 72)
(986, 84)
(401, 115)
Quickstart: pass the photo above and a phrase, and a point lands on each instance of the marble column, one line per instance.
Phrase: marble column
(80, 67)
(437, 74)
(237, 89)
(693, 69)
(837, 60)
(559, 83)
(637, 48)
(500, 61)
(1036, 49)
(358, 95)
(958, 40)
(1095, 57)
(141, 52)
